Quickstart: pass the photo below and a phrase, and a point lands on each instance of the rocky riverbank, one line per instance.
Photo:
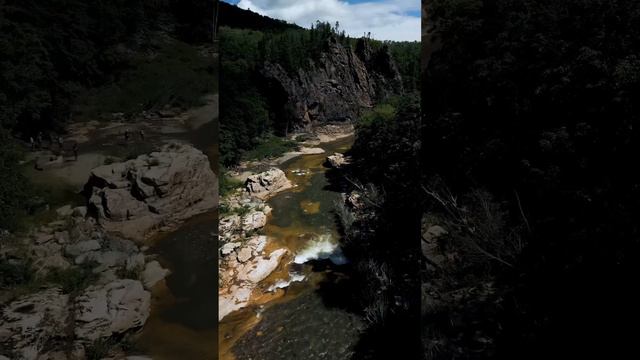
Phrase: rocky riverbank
(245, 258)
(87, 276)
(309, 145)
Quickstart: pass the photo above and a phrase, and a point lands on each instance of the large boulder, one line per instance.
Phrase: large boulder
(253, 220)
(162, 188)
(268, 183)
(261, 267)
(102, 311)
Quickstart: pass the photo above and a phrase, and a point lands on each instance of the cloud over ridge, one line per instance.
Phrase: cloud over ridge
(385, 19)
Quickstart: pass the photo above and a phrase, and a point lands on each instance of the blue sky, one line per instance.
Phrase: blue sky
(386, 19)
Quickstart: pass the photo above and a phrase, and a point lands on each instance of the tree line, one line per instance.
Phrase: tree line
(246, 111)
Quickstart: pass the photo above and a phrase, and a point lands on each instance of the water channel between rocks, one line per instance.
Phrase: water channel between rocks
(182, 324)
(297, 319)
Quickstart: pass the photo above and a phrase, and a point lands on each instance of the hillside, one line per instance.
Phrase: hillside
(284, 79)
(232, 16)
(65, 62)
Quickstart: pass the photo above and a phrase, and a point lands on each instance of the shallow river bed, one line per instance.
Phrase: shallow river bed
(306, 319)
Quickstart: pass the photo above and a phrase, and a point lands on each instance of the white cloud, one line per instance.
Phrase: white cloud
(385, 19)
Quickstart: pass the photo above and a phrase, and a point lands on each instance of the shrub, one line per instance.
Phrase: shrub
(227, 184)
(269, 147)
(73, 279)
(14, 187)
(15, 273)
(478, 228)
(99, 349)
(134, 273)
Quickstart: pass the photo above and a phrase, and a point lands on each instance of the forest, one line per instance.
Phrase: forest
(381, 238)
(249, 118)
(61, 59)
(527, 160)
(381, 235)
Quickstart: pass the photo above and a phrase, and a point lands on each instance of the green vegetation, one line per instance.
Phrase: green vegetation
(14, 189)
(532, 104)
(99, 349)
(73, 279)
(177, 75)
(20, 277)
(55, 51)
(227, 184)
(251, 115)
(240, 211)
(379, 235)
(14, 274)
(94, 57)
(125, 272)
(270, 146)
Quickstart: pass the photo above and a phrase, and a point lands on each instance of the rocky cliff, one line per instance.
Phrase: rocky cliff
(335, 87)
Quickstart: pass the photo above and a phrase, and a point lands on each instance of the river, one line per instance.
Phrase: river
(305, 320)
(182, 324)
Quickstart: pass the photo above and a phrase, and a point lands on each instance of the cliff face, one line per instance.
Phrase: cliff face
(336, 87)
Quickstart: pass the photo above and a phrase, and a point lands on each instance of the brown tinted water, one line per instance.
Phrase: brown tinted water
(183, 320)
(281, 324)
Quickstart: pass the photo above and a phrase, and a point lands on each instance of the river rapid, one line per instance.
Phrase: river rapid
(300, 316)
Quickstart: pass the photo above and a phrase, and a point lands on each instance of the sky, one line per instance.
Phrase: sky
(397, 20)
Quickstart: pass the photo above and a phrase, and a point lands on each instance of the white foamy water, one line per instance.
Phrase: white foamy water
(321, 248)
(281, 284)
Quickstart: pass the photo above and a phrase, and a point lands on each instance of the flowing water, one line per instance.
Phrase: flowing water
(184, 312)
(183, 317)
(298, 319)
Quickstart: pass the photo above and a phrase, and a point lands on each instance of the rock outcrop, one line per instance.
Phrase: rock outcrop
(337, 160)
(157, 190)
(32, 321)
(102, 311)
(336, 87)
(268, 183)
(243, 262)
(86, 299)
(245, 267)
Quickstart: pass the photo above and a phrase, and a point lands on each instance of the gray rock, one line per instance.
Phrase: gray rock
(82, 247)
(228, 224)
(114, 308)
(80, 211)
(31, 321)
(347, 80)
(244, 254)
(64, 211)
(135, 197)
(259, 268)
(337, 160)
(229, 247)
(268, 183)
(253, 220)
(153, 273)
(434, 232)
